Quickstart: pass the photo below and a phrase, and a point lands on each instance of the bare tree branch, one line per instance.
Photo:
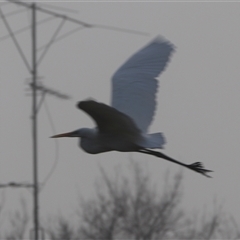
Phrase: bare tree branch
(19, 221)
(131, 208)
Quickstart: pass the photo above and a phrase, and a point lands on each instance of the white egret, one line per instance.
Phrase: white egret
(123, 126)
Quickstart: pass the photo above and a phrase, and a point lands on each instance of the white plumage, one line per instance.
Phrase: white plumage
(134, 85)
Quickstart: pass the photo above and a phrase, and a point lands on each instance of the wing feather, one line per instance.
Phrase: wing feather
(108, 119)
(134, 85)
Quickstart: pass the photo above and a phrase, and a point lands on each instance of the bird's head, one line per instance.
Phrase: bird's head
(82, 132)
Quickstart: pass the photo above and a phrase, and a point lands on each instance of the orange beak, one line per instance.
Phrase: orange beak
(68, 134)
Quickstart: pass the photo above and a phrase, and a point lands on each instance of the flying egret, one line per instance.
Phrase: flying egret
(123, 126)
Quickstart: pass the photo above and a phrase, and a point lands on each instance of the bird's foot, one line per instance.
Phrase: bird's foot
(198, 167)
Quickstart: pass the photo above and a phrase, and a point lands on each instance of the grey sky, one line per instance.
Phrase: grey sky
(197, 101)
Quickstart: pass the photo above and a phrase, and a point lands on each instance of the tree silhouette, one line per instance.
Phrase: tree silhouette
(131, 207)
(131, 210)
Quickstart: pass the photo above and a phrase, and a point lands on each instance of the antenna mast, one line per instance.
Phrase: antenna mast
(36, 87)
(34, 122)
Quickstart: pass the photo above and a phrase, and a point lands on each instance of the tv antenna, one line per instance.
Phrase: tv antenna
(36, 87)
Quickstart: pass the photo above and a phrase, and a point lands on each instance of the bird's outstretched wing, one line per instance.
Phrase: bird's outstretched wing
(108, 119)
(134, 85)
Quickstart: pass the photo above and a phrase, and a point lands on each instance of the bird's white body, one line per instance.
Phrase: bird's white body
(94, 142)
(124, 125)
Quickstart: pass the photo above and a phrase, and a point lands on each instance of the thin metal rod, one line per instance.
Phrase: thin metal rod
(15, 41)
(34, 121)
(52, 13)
(21, 30)
(15, 12)
(62, 36)
(64, 9)
(74, 20)
(51, 41)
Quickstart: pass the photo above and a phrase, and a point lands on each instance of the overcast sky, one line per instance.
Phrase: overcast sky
(198, 99)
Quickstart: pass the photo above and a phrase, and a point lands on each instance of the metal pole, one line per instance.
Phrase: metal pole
(34, 121)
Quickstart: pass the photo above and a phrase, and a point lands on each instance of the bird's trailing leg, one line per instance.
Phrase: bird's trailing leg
(197, 166)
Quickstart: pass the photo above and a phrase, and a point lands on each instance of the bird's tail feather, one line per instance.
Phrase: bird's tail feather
(154, 140)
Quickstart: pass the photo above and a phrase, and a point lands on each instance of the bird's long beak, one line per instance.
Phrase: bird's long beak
(68, 134)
